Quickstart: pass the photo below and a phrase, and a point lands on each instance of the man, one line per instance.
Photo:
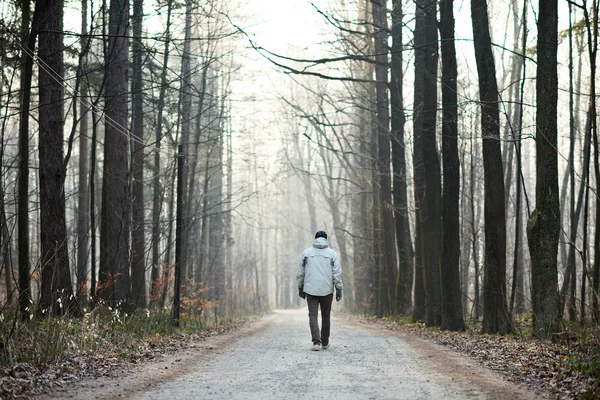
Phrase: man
(318, 274)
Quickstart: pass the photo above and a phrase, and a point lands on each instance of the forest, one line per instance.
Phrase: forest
(169, 160)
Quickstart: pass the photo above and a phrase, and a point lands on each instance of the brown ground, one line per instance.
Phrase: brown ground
(270, 358)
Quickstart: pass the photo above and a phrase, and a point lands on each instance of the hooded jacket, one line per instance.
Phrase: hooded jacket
(319, 270)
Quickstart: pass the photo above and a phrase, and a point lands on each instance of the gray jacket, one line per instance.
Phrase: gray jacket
(319, 270)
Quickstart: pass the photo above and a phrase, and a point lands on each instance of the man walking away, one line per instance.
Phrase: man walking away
(318, 274)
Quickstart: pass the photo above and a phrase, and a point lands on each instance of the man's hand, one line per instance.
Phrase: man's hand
(338, 294)
(301, 293)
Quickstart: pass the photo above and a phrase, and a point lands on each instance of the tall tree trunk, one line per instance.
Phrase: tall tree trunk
(83, 196)
(517, 293)
(167, 260)
(186, 113)
(179, 229)
(361, 210)
(115, 218)
(93, 207)
(426, 157)
(383, 124)
(466, 253)
(377, 296)
(194, 159)
(203, 246)
(592, 30)
(452, 317)
(156, 186)
(495, 307)
(570, 282)
(228, 220)
(475, 214)
(56, 292)
(23, 202)
(585, 188)
(138, 266)
(517, 283)
(543, 227)
(584, 258)
(5, 235)
(5, 241)
(570, 267)
(403, 237)
(216, 241)
(420, 295)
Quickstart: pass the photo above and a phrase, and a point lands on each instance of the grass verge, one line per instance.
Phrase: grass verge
(42, 354)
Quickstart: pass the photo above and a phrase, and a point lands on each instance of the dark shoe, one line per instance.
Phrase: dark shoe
(325, 346)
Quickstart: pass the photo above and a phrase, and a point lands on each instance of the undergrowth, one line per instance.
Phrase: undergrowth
(41, 340)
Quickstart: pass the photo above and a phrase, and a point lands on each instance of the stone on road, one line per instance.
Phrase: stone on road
(362, 363)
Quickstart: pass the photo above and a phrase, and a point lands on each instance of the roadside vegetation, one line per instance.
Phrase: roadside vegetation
(43, 353)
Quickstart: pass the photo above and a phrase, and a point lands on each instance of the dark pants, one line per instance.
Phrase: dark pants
(313, 311)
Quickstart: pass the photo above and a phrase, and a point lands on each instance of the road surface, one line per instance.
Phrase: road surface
(271, 359)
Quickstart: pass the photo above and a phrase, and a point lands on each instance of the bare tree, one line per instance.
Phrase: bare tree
(23, 206)
(452, 317)
(544, 224)
(83, 197)
(156, 186)
(115, 219)
(427, 166)
(384, 162)
(138, 266)
(56, 291)
(401, 211)
(495, 307)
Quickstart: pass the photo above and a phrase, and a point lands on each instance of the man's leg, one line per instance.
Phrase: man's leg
(313, 312)
(326, 317)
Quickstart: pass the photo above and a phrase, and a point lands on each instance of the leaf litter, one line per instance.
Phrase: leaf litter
(23, 380)
(558, 366)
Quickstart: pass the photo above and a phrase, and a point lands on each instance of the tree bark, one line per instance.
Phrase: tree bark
(56, 291)
(138, 266)
(426, 160)
(167, 266)
(216, 241)
(495, 308)
(115, 285)
(93, 229)
(475, 215)
(83, 196)
(383, 124)
(179, 228)
(23, 192)
(420, 294)
(517, 300)
(576, 203)
(592, 29)
(543, 227)
(402, 226)
(156, 186)
(585, 187)
(185, 94)
(452, 317)
(5, 241)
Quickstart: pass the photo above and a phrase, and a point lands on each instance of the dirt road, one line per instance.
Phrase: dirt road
(271, 359)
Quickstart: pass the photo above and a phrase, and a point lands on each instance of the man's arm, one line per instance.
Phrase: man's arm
(300, 273)
(300, 277)
(336, 270)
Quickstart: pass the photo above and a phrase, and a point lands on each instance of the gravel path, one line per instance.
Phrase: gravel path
(274, 361)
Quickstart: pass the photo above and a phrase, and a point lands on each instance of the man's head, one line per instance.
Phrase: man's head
(322, 234)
